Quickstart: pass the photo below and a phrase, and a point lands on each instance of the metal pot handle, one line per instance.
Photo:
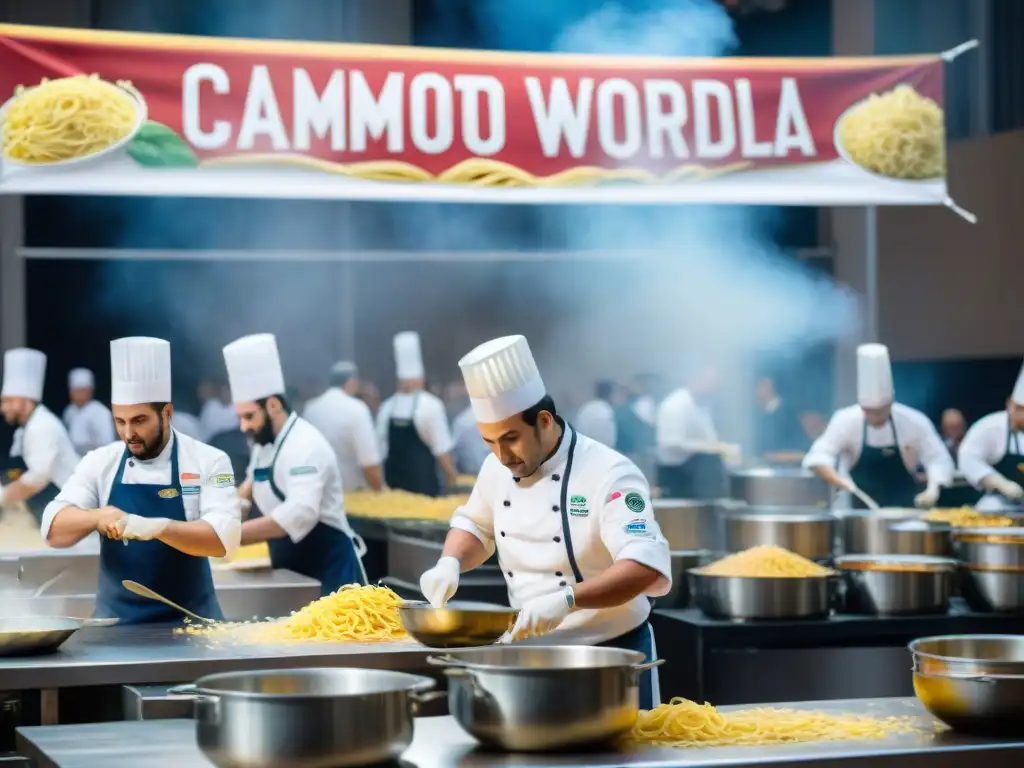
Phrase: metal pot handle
(446, 661)
(418, 698)
(638, 668)
(190, 691)
(185, 689)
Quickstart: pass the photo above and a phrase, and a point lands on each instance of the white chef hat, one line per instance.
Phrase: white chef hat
(408, 357)
(140, 371)
(254, 368)
(81, 378)
(874, 376)
(1018, 389)
(344, 368)
(24, 373)
(502, 379)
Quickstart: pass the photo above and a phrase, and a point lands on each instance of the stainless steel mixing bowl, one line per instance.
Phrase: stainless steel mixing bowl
(747, 597)
(458, 624)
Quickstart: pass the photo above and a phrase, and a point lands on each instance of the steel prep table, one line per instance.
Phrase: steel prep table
(440, 743)
(841, 657)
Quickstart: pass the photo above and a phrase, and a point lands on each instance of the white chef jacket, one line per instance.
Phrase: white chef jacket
(347, 424)
(216, 417)
(306, 473)
(681, 425)
(90, 426)
(43, 443)
(187, 424)
(596, 419)
(523, 521)
(645, 407)
(430, 420)
(470, 449)
(918, 438)
(206, 479)
(982, 448)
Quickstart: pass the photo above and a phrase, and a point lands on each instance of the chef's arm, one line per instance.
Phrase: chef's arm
(69, 525)
(981, 449)
(197, 538)
(261, 529)
(245, 497)
(824, 454)
(374, 477)
(831, 476)
(448, 467)
(23, 489)
(616, 586)
(466, 548)
(73, 515)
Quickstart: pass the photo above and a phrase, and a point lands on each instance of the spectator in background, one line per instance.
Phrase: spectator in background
(634, 418)
(596, 419)
(89, 422)
(953, 427)
(216, 414)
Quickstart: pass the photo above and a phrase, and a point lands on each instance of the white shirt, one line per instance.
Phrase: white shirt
(645, 408)
(201, 467)
(44, 445)
(522, 521)
(430, 419)
(984, 446)
(216, 417)
(596, 419)
(919, 441)
(682, 425)
(306, 473)
(89, 426)
(187, 424)
(347, 424)
(470, 449)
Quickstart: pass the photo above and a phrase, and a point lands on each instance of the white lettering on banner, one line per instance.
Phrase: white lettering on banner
(262, 116)
(791, 129)
(376, 116)
(559, 118)
(667, 125)
(420, 90)
(191, 83)
(318, 114)
(624, 92)
(470, 88)
(704, 93)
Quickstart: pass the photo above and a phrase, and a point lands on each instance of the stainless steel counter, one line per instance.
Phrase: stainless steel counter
(154, 654)
(440, 743)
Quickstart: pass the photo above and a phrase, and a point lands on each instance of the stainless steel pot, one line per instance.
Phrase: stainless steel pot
(679, 596)
(992, 591)
(306, 718)
(892, 531)
(745, 597)
(894, 585)
(993, 548)
(809, 534)
(779, 487)
(686, 524)
(973, 683)
(539, 698)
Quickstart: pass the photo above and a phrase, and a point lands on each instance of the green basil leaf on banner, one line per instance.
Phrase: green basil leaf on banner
(157, 146)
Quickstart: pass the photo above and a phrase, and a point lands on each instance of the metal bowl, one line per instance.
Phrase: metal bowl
(783, 487)
(809, 534)
(972, 683)
(992, 590)
(993, 548)
(539, 698)
(895, 585)
(457, 625)
(892, 531)
(747, 597)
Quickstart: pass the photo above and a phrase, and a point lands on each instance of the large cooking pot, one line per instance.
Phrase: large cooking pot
(893, 531)
(306, 718)
(768, 487)
(538, 698)
(688, 525)
(809, 534)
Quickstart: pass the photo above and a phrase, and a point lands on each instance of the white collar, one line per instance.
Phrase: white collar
(284, 429)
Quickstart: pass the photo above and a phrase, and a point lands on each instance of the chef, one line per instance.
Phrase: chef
(991, 455)
(877, 443)
(596, 419)
(293, 476)
(412, 427)
(216, 415)
(691, 458)
(89, 422)
(165, 502)
(347, 424)
(42, 456)
(570, 518)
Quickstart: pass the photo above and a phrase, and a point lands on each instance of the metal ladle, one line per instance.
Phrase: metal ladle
(144, 591)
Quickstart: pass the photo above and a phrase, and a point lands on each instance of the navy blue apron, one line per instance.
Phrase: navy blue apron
(702, 477)
(325, 553)
(882, 475)
(639, 639)
(185, 579)
(410, 465)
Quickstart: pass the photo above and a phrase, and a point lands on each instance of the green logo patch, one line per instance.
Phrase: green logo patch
(302, 470)
(224, 480)
(635, 502)
(578, 506)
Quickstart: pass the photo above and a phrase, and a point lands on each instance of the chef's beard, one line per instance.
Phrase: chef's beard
(265, 434)
(151, 449)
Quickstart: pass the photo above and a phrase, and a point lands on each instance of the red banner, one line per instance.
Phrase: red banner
(260, 110)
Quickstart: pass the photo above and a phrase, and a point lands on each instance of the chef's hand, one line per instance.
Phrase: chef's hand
(440, 582)
(1008, 489)
(542, 614)
(926, 499)
(142, 528)
(732, 453)
(107, 522)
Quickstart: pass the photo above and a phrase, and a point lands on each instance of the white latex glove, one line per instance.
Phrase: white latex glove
(1008, 489)
(142, 528)
(440, 582)
(542, 614)
(731, 453)
(926, 499)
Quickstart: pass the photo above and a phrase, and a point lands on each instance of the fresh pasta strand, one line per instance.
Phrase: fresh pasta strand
(766, 562)
(68, 118)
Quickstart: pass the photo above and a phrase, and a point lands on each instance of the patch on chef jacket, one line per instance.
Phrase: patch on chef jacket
(189, 490)
(189, 476)
(578, 506)
(223, 480)
(638, 527)
(168, 493)
(307, 470)
(635, 502)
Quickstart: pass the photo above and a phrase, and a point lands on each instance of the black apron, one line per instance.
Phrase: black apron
(701, 477)
(1011, 466)
(882, 475)
(325, 553)
(633, 435)
(16, 467)
(410, 465)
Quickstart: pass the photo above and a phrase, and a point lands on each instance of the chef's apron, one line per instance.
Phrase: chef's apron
(702, 477)
(16, 467)
(185, 579)
(882, 475)
(325, 553)
(410, 465)
(1011, 466)
(639, 639)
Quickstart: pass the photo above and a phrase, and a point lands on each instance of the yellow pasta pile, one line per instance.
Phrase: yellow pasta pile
(394, 504)
(353, 614)
(68, 118)
(968, 517)
(684, 723)
(899, 134)
(765, 562)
